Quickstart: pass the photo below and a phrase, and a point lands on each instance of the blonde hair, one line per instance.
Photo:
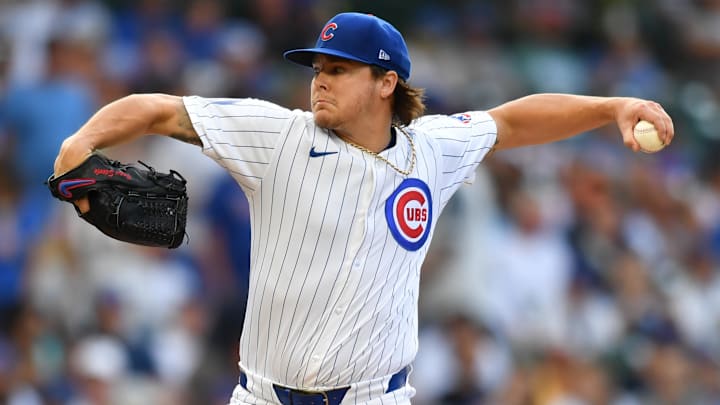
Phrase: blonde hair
(408, 102)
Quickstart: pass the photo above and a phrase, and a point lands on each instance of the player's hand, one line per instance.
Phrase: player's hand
(72, 153)
(631, 110)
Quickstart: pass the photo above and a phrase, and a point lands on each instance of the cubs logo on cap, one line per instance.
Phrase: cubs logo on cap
(326, 33)
(359, 37)
(408, 212)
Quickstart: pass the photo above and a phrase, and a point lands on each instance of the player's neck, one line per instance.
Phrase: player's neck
(376, 139)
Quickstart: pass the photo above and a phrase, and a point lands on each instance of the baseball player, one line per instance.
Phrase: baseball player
(344, 201)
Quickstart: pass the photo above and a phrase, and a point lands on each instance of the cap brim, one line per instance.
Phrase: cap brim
(305, 56)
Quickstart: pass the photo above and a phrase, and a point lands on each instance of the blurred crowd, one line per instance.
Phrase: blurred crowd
(571, 273)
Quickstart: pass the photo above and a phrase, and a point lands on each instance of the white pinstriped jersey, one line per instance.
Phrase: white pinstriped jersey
(338, 236)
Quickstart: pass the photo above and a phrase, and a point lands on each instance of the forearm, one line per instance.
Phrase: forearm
(544, 118)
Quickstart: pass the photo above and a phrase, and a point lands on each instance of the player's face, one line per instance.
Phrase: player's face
(341, 92)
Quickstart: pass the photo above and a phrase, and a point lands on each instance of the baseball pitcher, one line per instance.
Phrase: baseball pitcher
(344, 201)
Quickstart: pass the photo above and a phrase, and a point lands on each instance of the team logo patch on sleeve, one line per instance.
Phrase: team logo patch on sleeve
(465, 118)
(408, 212)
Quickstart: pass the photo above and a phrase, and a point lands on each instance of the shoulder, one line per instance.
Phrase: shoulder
(245, 109)
(230, 103)
(463, 120)
(466, 131)
(456, 128)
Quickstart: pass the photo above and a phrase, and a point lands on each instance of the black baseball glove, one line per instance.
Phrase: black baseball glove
(129, 203)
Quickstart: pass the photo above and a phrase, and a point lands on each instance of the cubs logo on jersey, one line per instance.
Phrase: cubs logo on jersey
(408, 212)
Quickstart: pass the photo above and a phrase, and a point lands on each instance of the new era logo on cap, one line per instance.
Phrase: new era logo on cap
(360, 37)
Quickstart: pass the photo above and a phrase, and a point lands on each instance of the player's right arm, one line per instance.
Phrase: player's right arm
(125, 120)
(122, 121)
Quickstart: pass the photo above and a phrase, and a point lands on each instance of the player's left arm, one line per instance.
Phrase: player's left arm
(543, 118)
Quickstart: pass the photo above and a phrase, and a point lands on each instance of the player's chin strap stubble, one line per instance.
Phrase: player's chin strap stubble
(389, 163)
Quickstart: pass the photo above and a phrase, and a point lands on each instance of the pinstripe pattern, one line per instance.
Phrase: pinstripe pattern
(333, 296)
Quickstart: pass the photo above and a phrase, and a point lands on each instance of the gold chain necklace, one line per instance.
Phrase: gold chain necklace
(391, 164)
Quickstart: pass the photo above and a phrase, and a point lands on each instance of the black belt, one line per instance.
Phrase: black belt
(290, 396)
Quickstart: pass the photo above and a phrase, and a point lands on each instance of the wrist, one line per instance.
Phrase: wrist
(613, 107)
(73, 151)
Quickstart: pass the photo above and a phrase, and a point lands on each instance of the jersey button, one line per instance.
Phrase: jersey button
(357, 265)
(339, 309)
(316, 358)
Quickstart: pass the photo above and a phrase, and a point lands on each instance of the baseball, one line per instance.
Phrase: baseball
(647, 137)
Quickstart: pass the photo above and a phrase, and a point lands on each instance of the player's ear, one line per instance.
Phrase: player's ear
(388, 82)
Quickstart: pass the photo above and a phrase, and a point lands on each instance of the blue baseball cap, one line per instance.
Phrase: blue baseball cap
(359, 37)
